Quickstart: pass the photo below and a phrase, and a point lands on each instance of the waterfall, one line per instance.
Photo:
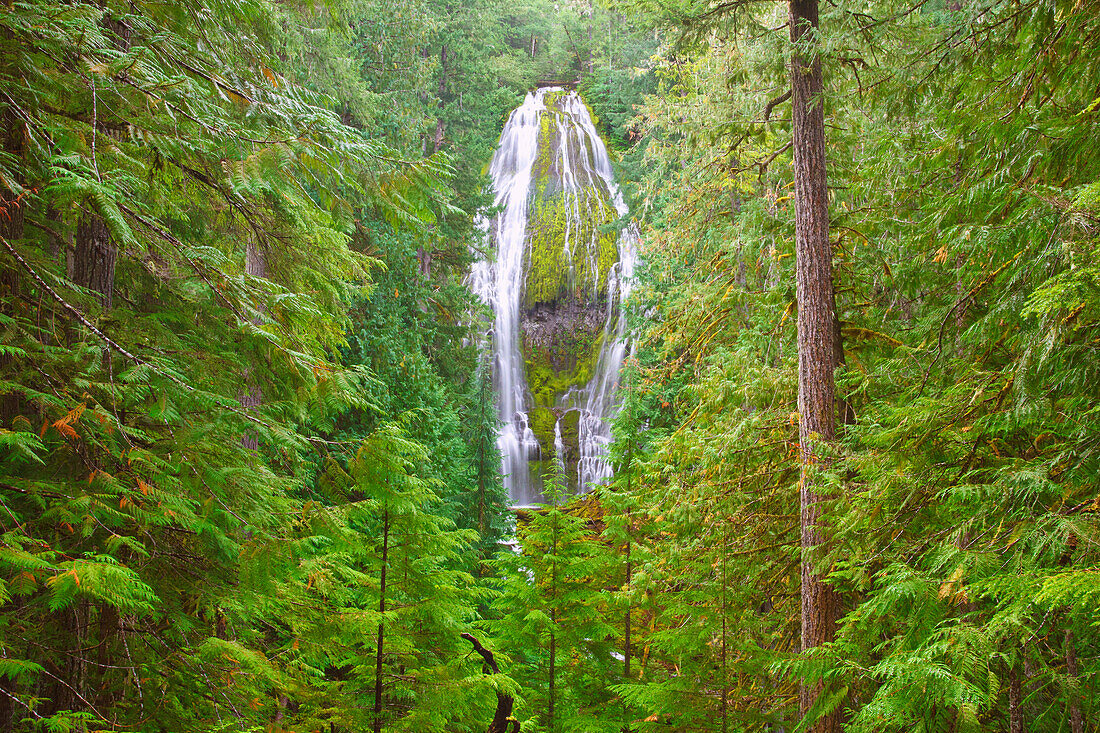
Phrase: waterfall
(555, 278)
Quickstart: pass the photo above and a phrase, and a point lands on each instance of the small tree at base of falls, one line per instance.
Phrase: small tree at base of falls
(399, 662)
(553, 621)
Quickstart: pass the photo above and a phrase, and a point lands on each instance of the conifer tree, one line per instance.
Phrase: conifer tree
(146, 553)
(818, 334)
(552, 620)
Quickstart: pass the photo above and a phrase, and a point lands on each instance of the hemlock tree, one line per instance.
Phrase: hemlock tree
(552, 621)
(420, 672)
(819, 348)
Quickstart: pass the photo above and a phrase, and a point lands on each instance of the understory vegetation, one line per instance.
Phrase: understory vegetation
(249, 477)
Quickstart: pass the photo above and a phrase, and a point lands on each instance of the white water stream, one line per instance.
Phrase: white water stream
(581, 171)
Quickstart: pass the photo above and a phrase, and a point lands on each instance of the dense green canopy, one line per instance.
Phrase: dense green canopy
(248, 466)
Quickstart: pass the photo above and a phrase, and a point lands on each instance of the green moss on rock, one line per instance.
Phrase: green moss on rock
(541, 421)
(571, 249)
(568, 256)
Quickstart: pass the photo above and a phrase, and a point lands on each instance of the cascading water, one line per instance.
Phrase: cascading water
(558, 274)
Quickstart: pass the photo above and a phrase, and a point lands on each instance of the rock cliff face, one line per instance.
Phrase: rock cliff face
(555, 287)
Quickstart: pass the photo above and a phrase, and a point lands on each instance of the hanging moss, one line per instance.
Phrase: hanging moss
(556, 273)
(551, 99)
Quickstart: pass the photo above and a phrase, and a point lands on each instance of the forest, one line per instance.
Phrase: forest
(253, 467)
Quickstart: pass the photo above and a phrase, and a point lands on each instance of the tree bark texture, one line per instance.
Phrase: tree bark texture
(553, 690)
(817, 329)
(11, 227)
(1015, 702)
(440, 126)
(381, 625)
(553, 625)
(255, 264)
(94, 258)
(627, 621)
(11, 210)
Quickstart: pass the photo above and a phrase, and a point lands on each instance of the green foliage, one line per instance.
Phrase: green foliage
(212, 453)
(964, 226)
(553, 620)
(188, 514)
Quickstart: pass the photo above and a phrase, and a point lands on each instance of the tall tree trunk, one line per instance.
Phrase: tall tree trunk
(381, 625)
(67, 686)
(94, 258)
(11, 227)
(255, 261)
(11, 208)
(817, 330)
(503, 712)
(626, 623)
(255, 264)
(553, 625)
(94, 254)
(109, 622)
(1076, 723)
(440, 126)
(553, 662)
(591, 46)
(483, 447)
(722, 650)
(1015, 702)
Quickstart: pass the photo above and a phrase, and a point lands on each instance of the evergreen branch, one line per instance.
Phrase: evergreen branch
(961, 302)
(216, 82)
(116, 346)
(775, 102)
(718, 10)
(52, 495)
(80, 316)
(48, 230)
(180, 246)
(78, 695)
(229, 199)
(31, 710)
(763, 165)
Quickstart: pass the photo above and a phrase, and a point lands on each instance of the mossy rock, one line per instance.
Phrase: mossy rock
(548, 385)
(570, 436)
(570, 250)
(571, 243)
(542, 421)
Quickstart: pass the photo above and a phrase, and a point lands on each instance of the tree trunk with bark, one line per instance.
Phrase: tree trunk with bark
(1015, 702)
(440, 126)
(94, 258)
(11, 209)
(381, 625)
(553, 661)
(817, 335)
(255, 264)
(1076, 722)
(503, 713)
(11, 227)
(629, 606)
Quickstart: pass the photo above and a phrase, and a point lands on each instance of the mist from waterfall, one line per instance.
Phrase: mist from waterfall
(582, 168)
